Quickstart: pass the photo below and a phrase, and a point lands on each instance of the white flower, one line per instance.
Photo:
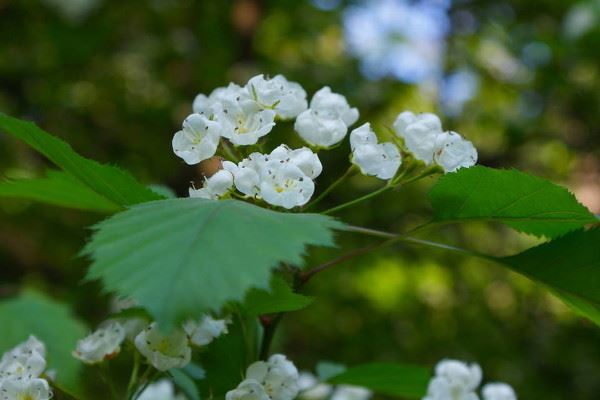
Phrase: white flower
(498, 391)
(209, 105)
(452, 152)
(288, 99)
(215, 186)
(327, 120)
(285, 185)
(160, 390)
(24, 361)
(419, 133)
(246, 174)
(206, 330)
(348, 392)
(198, 140)
(249, 389)
(303, 158)
(244, 122)
(278, 376)
(376, 159)
(454, 380)
(311, 388)
(25, 389)
(100, 345)
(164, 351)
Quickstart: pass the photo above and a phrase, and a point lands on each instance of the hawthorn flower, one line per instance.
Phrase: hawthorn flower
(311, 388)
(419, 132)
(103, 344)
(206, 330)
(246, 174)
(454, 380)
(198, 140)
(288, 99)
(24, 361)
(303, 158)
(349, 392)
(278, 376)
(160, 390)
(215, 186)
(244, 122)
(453, 152)
(498, 391)
(209, 105)
(25, 389)
(164, 351)
(285, 185)
(327, 120)
(376, 159)
(249, 389)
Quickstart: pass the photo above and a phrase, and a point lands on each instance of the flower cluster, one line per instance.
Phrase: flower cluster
(20, 372)
(455, 380)
(240, 116)
(162, 350)
(312, 389)
(274, 379)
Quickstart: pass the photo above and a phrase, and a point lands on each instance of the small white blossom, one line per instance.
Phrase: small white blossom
(24, 361)
(244, 122)
(498, 391)
(198, 140)
(303, 158)
(278, 376)
(311, 388)
(246, 174)
(206, 330)
(104, 343)
(160, 390)
(249, 389)
(25, 389)
(453, 152)
(209, 105)
(215, 186)
(348, 392)
(327, 120)
(376, 159)
(132, 325)
(164, 351)
(285, 185)
(288, 99)
(419, 132)
(454, 380)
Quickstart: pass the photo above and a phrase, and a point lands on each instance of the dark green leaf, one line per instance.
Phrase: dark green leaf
(280, 298)
(58, 188)
(387, 378)
(52, 323)
(114, 184)
(185, 383)
(178, 258)
(524, 202)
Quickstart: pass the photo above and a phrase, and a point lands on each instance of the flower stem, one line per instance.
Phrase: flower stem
(134, 374)
(331, 187)
(359, 200)
(269, 326)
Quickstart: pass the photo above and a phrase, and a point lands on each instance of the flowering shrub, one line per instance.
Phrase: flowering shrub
(195, 316)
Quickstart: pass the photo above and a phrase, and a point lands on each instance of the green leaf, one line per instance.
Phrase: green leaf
(185, 383)
(569, 265)
(280, 298)
(112, 183)
(181, 257)
(328, 369)
(524, 202)
(51, 322)
(58, 188)
(387, 378)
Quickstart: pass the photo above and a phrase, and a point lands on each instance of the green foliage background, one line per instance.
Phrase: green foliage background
(116, 84)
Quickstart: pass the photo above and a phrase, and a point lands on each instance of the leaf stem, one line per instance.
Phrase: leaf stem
(269, 328)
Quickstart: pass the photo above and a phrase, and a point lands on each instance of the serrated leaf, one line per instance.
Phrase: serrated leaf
(58, 188)
(387, 378)
(51, 322)
(570, 265)
(180, 257)
(280, 298)
(524, 202)
(114, 184)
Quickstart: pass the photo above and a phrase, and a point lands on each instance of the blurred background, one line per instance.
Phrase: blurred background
(519, 78)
